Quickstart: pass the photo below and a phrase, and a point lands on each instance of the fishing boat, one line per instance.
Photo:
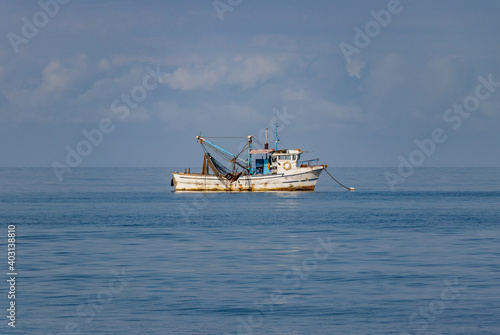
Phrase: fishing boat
(263, 170)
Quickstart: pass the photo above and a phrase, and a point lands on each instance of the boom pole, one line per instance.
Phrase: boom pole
(217, 148)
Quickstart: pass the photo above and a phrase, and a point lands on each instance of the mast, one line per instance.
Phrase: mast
(266, 146)
(277, 142)
(249, 154)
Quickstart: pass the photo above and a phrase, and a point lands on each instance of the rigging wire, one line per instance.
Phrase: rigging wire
(259, 142)
(225, 156)
(245, 148)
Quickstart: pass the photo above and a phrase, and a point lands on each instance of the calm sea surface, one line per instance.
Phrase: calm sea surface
(115, 251)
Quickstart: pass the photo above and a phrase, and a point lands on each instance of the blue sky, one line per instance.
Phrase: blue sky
(225, 74)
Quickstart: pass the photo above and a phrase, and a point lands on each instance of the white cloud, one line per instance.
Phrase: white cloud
(188, 79)
(110, 86)
(58, 77)
(354, 67)
(47, 88)
(244, 71)
(247, 71)
(139, 114)
(104, 65)
(290, 94)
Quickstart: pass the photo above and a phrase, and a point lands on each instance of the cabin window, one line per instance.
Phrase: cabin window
(293, 157)
(287, 157)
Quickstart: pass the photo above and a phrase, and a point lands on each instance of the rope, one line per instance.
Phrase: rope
(347, 188)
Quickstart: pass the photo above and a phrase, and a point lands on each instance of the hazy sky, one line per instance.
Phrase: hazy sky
(153, 74)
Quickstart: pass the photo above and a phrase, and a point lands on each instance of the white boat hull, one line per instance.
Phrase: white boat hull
(298, 179)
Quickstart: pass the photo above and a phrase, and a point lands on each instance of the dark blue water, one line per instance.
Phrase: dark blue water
(114, 251)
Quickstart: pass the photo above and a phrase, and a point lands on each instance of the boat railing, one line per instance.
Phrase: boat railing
(309, 162)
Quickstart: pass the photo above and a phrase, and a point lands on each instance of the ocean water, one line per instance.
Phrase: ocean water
(115, 251)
